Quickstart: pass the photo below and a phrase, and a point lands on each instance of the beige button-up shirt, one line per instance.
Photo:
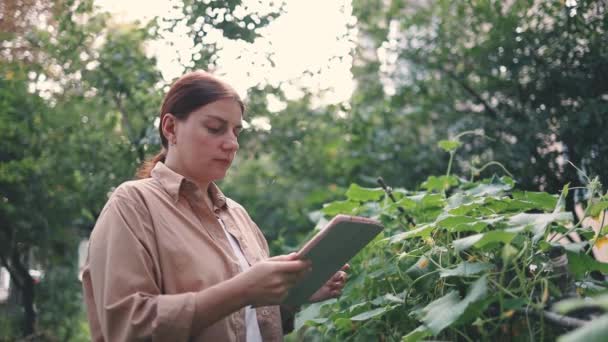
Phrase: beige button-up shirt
(154, 245)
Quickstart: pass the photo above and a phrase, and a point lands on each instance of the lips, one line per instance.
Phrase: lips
(225, 162)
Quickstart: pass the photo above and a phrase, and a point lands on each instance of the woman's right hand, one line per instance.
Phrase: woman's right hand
(267, 282)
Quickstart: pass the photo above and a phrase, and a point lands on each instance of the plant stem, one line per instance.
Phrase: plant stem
(452, 153)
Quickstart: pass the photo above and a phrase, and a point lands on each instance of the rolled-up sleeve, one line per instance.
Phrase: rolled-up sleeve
(121, 283)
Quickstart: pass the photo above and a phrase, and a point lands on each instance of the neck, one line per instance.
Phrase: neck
(177, 167)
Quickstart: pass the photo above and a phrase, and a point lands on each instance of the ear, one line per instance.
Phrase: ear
(169, 126)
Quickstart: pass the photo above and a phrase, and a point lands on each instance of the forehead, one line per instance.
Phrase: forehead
(228, 110)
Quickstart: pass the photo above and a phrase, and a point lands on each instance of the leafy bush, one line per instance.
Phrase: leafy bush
(465, 260)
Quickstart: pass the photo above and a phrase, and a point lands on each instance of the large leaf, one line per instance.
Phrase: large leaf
(465, 269)
(416, 334)
(580, 263)
(597, 208)
(455, 223)
(422, 231)
(538, 222)
(312, 313)
(480, 240)
(571, 304)
(594, 331)
(357, 193)
(340, 207)
(371, 313)
(440, 184)
(540, 200)
(491, 189)
(449, 145)
(446, 310)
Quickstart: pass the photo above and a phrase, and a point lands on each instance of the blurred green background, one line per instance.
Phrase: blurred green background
(80, 91)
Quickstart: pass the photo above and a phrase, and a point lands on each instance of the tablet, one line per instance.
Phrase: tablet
(341, 239)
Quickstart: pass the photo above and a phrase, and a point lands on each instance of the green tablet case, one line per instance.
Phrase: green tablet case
(342, 238)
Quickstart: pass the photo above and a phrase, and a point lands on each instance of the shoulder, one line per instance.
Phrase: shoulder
(129, 199)
(232, 204)
(134, 190)
(126, 209)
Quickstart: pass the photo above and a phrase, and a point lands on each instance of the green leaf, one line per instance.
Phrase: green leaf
(571, 304)
(312, 313)
(371, 313)
(538, 222)
(581, 263)
(540, 200)
(449, 145)
(433, 200)
(440, 184)
(420, 268)
(357, 193)
(340, 207)
(343, 323)
(597, 208)
(442, 312)
(417, 334)
(594, 331)
(480, 240)
(491, 189)
(456, 223)
(422, 231)
(465, 269)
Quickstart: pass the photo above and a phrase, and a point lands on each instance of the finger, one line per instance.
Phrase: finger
(345, 268)
(284, 257)
(339, 276)
(295, 277)
(292, 266)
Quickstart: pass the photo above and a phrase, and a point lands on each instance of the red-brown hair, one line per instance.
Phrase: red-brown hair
(189, 93)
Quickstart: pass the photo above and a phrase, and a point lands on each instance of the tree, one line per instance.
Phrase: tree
(527, 74)
(68, 140)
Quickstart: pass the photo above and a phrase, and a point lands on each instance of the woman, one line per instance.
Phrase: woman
(170, 257)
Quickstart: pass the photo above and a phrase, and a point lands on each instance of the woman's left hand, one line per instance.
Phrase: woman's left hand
(333, 287)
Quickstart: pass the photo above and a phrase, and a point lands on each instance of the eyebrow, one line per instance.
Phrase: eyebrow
(239, 126)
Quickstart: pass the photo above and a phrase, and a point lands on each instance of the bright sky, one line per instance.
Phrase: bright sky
(307, 37)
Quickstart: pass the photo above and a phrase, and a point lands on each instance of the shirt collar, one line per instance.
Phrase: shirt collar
(174, 183)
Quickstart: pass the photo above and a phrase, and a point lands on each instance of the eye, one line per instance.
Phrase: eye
(214, 129)
(237, 131)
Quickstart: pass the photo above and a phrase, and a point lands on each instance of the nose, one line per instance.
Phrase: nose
(230, 143)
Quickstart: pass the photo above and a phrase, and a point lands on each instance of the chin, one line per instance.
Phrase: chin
(219, 176)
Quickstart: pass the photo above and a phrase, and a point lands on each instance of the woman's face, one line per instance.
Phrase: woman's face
(206, 142)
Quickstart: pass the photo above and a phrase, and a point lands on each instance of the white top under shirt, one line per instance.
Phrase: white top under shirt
(251, 320)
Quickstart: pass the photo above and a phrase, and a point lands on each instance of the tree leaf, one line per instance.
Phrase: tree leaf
(482, 239)
(597, 208)
(571, 304)
(540, 200)
(439, 184)
(457, 223)
(449, 145)
(357, 193)
(416, 334)
(371, 313)
(594, 331)
(491, 189)
(581, 263)
(538, 222)
(446, 310)
(465, 269)
(422, 231)
(340, 207)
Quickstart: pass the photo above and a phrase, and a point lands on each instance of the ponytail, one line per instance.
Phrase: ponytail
(145, 170)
